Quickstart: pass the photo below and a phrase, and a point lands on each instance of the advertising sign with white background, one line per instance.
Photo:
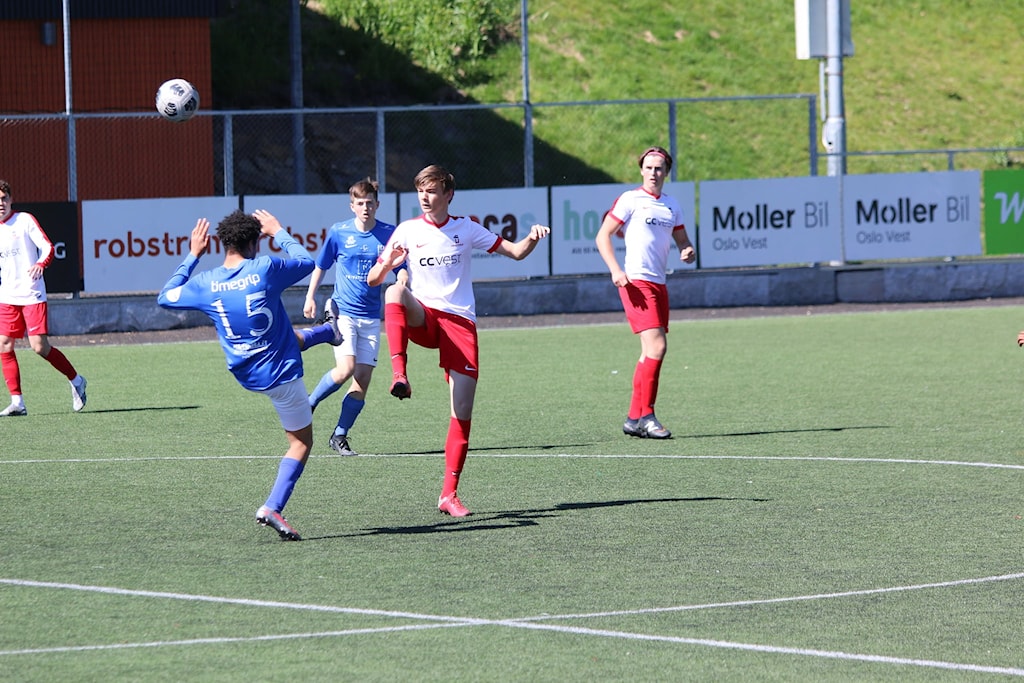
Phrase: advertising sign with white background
(134, 245)
(769, 221)
(577, 212)
(911, 215)
(308, 217)
(508, 213)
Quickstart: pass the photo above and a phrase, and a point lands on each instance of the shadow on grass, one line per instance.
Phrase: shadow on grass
(513, 519)
(781, 431)
(525, 447)
(136, 410)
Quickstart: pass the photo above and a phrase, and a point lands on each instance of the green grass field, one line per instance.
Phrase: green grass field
(842, 501)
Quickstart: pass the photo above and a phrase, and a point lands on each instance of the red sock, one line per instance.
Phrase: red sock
(397, 329)
(635, 405)
(59, 361)
(456, 446)
(653, 372)
(12, 373)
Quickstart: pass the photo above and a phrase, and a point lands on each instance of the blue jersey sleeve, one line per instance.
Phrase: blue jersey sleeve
(329, 252)
(180, 277)
(244, 304)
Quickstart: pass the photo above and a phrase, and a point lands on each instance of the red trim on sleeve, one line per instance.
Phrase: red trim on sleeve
(497, 243)
(49, 257)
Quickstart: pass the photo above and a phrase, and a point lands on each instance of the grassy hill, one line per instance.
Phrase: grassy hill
(927, 74)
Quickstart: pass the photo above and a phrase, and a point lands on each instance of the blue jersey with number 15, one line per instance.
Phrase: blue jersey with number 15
(245, 305)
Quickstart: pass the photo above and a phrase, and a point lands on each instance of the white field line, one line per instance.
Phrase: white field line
(582, 456)
(528, 623)
(225, 640)
(245, 602)
(773, 649)
(775, 601)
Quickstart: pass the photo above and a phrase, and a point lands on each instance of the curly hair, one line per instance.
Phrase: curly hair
(238, 230)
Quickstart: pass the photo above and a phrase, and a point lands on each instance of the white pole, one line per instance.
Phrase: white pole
(834, 132)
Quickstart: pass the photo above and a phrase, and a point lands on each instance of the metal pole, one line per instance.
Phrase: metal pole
(527, 106)
(672, 138)
(298, 134)
(834, 133)
(381, 151)
(68, 108)
(229, 155)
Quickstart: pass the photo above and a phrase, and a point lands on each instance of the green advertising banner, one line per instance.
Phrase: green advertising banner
(1003, 198)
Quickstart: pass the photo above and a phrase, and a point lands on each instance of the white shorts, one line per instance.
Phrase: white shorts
(362, 339)
(292, 404)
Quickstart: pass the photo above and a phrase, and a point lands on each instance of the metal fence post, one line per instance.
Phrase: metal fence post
(229, 155)
(672, 137)
(381, 152)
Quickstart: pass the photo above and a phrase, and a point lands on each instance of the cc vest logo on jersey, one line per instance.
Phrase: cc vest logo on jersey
(658, 222)
(440, 261)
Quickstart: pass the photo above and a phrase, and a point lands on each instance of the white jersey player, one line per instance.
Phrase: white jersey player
(25, 251)
(651, 224)
(437, 310)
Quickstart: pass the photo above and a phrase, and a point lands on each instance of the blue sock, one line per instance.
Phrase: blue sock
(321, 334)
(350, 409)
(288, 472)
(324, 388)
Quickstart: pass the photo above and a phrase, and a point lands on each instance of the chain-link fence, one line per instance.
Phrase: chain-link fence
(316, 151)
(322, 151)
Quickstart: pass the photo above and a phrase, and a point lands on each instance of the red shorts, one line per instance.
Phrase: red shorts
(646, 305)
(454, 337)
(17, 321)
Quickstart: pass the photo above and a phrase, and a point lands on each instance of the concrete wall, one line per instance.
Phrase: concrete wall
(890, 283)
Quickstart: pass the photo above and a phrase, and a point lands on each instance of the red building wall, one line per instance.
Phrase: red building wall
(116, 66)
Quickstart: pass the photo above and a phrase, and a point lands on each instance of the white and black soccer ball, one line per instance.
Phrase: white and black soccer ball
(177, 100)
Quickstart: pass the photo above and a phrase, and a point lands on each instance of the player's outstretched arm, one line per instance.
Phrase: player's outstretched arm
(269, 225)
(199, 241)
(521, 249)
(1020, 339)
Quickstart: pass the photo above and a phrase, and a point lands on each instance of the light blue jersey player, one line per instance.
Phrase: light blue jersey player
(352, 247)
(243, 299)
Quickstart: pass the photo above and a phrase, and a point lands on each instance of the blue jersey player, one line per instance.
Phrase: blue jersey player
(353, 247)
(243, 299)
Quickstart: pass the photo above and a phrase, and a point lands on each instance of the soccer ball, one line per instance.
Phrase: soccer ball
(177, 100)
